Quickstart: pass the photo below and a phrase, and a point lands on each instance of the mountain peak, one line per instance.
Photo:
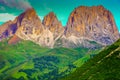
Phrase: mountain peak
(100, 6)
(93, 22)
(50, 20)
(51, 14)
(30, 12)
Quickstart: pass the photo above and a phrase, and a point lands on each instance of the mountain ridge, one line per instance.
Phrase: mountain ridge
(78, 31)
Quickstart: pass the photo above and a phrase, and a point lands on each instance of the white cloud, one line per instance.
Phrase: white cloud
(6, 17)
(18, 4)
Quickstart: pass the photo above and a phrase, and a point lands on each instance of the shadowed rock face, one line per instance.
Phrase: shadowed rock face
(95, 23)
(86, 27)
(5, 30)
(9, 28)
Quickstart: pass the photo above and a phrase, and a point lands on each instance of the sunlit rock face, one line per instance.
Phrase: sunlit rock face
(92, 23)
(30, 26)
(53, 24)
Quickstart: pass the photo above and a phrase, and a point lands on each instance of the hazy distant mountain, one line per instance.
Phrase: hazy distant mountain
(87, 26)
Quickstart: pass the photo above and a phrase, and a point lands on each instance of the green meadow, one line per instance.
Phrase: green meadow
(28, 61)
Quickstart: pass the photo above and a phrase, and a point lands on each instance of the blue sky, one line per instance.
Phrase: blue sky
(9, 9)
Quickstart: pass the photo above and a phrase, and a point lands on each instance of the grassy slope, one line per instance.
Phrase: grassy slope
(27, 60)
(104, 66)
(17, 56)
(18, 61)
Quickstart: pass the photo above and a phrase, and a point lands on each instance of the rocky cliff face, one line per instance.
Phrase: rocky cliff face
(29, 23)
(87, 26)
(31, 28)
(51, 22)
(92, 23)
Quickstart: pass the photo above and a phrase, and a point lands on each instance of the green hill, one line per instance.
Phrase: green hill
(28, 61)
(104, 66)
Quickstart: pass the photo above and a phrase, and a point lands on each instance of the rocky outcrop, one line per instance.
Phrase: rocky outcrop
(51, 22)
(28, 26)
(31, 28)
(43, 34)
(92, 23)
(25, 24)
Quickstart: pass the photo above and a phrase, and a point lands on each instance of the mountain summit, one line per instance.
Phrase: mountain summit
(86, 26)
(51, 22)
(95, 23)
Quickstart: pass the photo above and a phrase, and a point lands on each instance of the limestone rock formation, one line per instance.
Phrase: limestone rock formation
(30, 24)
(31, 28)
(86, 26)
(51, 22)
(92, 23)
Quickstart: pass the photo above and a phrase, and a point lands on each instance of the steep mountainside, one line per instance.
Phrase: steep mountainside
(104, 66)
(92, 23)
